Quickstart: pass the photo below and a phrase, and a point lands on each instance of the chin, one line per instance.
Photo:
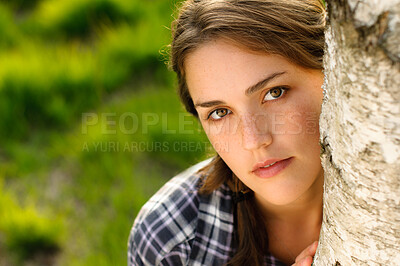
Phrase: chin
(282, 201)
(278, 198)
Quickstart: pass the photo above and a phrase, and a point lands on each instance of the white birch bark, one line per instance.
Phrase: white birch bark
(360, 134)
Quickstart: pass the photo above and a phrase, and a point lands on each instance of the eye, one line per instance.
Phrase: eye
(219, 113)
(275, 93)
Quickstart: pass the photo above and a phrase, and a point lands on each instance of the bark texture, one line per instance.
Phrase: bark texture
(360, 134)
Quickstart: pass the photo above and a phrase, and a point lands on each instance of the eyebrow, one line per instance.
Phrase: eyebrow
(252, 89)
(261, 84)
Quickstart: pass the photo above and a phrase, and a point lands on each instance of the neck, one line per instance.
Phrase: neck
(292, 227)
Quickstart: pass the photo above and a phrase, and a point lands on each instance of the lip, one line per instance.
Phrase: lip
(272, 170)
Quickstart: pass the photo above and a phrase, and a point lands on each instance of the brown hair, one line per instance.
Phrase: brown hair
(293, 29)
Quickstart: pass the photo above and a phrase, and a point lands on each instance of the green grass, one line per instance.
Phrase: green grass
(67, 19)
(9, 31)
(99, 191)
(71, 188)
(21, 5)
(44, 92)
(27, 232)
(33, 75)
(109, 185)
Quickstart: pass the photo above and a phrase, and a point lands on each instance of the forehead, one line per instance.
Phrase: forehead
(223, 66)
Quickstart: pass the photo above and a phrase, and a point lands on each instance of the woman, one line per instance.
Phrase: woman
(251, 72)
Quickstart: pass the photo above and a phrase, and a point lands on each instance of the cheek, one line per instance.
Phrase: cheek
(303, 118)
(220, 144)
(304, 123)
(224, 137)
(302, 130)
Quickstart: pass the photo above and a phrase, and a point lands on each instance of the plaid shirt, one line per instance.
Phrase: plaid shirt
(178, 226)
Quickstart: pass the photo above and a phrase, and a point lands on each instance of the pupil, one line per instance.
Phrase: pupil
(221, 112)
(276, 93)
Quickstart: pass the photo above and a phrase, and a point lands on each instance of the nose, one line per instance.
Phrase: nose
(255, 132)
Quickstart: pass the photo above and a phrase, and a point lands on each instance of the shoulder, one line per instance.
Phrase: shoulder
(178, 225)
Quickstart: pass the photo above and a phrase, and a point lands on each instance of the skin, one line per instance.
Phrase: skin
(278, 120)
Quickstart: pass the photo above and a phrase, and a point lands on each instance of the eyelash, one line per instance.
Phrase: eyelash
(284, 91)
(216, 120)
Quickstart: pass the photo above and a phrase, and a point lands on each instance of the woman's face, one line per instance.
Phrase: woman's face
(260, 112)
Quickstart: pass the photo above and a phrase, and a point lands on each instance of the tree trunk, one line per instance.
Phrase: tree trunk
(360, 134)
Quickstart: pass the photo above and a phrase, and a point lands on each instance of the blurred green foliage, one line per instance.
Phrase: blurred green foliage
(71, 72)
(72, 75)
(79, 18)
(26, 232)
